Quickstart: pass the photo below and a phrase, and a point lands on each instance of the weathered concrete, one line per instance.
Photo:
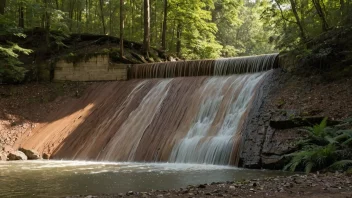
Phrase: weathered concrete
(98, 68)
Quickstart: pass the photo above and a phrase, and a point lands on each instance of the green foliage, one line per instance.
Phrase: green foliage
(196, 29)
(10, 70)
(325, 147)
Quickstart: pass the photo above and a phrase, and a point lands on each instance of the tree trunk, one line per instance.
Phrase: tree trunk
(87, 14)
(57, 4)
(110, 17)
(321, 14)
(178, 38)
(2, 6)
(70, 13)
(132, 18)
(163, 37)
(21, 15)
(121, 28)
(47, 25)
(342, 8)
(146, 40)
(102, 15)
(298, 20)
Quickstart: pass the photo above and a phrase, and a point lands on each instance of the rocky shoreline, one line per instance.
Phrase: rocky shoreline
(299, 185)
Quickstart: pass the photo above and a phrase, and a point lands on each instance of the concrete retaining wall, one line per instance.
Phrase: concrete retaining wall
(97, 68)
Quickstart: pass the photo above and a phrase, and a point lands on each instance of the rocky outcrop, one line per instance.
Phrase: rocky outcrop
(284, 105)
(17, 155)
(31, 154)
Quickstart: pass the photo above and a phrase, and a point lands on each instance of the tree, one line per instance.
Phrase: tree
(146, 40)
(47, 24)
(21, 15)
(163, 41)
(178, 39)
(101, 3)
(121, 27)
(2, 6)
(298, 20)
(321, 14)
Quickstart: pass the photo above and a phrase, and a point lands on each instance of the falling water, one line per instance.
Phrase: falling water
(220, 67)
(202, 145)
(196, 119)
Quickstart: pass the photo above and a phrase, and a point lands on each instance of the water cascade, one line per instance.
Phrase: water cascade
(220, 67)
(197, 119)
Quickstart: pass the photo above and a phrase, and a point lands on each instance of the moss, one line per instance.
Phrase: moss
(114, 54)
(83, 57)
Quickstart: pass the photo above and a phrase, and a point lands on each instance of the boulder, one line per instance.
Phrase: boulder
(31, 154)
(273, 162)
(46, 156)
(17, 155)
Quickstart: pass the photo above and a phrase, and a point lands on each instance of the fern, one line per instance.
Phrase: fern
(315, 157)
(341, 164)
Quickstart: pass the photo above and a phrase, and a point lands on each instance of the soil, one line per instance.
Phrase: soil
(315, 96)
(22, 107)
(296, 186)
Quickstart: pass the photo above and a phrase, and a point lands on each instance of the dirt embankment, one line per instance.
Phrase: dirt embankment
(296, 186)
(23, 107)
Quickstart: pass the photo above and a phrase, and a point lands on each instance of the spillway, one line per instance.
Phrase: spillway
(184, 114)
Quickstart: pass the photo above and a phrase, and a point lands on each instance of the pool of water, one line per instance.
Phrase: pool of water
(63, 178)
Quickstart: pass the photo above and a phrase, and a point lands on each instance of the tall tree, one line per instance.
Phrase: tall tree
(2, 6)
(163, 37)
(178, 39)
(146, 39)
(101, 3)
(121, 27)
(298, 20)
(21, 15)
(47, 23)
(321, 14)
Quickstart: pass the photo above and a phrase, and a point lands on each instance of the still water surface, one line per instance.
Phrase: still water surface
(62, 178)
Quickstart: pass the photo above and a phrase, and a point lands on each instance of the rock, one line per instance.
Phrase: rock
(17, 155)
(160, 196)
(45, 156)
(273, 161)
(279, 123)
(31, 154)
(201, 186)
(129, 193)
(232, 187)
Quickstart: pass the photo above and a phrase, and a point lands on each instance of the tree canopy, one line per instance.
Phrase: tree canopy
(190, 29)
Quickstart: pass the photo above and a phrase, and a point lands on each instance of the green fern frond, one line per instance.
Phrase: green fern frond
(341, 164)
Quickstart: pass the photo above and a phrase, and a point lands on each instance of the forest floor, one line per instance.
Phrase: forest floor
(297, 186)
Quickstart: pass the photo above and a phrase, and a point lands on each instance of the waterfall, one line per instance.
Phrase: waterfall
(202, 145)
(220, 67)
(195, 118)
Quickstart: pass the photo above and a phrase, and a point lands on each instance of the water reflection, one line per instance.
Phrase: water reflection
(62, 178)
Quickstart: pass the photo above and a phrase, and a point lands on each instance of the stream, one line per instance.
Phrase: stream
(63, 178)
